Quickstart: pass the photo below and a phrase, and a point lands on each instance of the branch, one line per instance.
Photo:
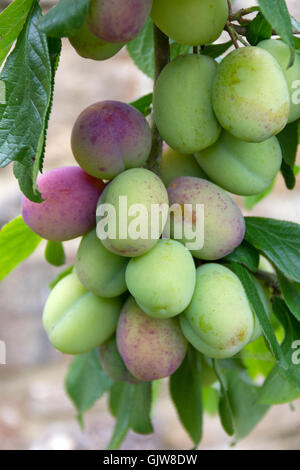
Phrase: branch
(269, 279)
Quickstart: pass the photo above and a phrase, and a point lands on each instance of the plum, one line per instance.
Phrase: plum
(113, 363)
(175, 164)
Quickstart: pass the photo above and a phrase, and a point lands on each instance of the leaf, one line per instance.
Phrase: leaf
(288, 139)
(65, 18)
(86, 382)
(257, 358)
(225, 410)
(216, 50)
(54, 253)
(295, 24)
(290, 294)
(141, 49)
(12, 20)
(115, 394)
(288, 175)
(17, 242)
(179, 49)
(251, 201)
(27, 78)
(185, 388)
(258, 30)
(277, 390)
(140, 420)
(258, 307)
(279, 241)
(245, 254)
(61, 275)
(124, 411)
(277, 14)
(210, 400)
(143, 104)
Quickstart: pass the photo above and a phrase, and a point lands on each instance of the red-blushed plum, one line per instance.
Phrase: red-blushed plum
(224, 224)
(69, 207)
(76, 320)
(89, 46)
(109, 137)
(118, 20)
(151, 348)
(113, 363)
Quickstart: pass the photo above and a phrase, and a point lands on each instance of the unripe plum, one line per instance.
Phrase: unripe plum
(116, 20)
(76, 320)
(191, 22)
(224, 224)
(151, 348)
(243, 168)
(182, 103)
(140, 187)
(109, 137)
(219, 321)
(113, 363)
(89, 46)
(250, 95)
(69, 207)
(282, 54)
(175, 164)
(163, 280)
(100, 271)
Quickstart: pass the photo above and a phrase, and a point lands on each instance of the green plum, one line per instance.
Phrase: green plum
(113, 363)
(175, 164)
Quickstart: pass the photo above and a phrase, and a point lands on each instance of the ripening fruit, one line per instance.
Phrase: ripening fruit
(240, 167)
(132, 195)
(250, 95)
(76, 320)
(109, 137)
(162, 281)
(282, 54)
(219, 321)
(182, 103)
(69, 207)
(175, 164)
(99, 270)
(151, 348)
(113, 363)
(89, 46)
(118, 21)
(224, 224)
(191, 22)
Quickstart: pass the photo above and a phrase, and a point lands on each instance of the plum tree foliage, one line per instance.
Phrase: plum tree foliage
(185, 291)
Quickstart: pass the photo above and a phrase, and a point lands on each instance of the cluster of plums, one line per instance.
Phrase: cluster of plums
(143, 300)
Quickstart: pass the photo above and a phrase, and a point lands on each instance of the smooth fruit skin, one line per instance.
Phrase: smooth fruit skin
(240, 167)
(224, 224)
(151, 348)
(281, 52)
(182, 104)
(69, 207)
(113, 363)
(89, 46)
(99, 270)
(162, 281)
(118, 21)
(109, 137)
(219, 321)
(139, 186)
(76, 320)
(250, 95)
(175, 164)
(191, 22)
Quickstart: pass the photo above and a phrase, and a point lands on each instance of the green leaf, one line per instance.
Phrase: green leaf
(216, 50)
(277, 390)
(258, 30)
(210, 400)
(17, 242)
(86, 382)
(295, 24)
(245, 254)
(257, 358)
(185, 388)
(179, 49)
(290, 294)
(258, 307)
(60, 276)
(288, 139)
(141, 49)
(12, 20)
(279, 241)
(65, 18)
(115, 394)
(288, 175)
(143, 104)
(124, 412)
(140, 420)
(277, 14)
(27, 78)
(225, 410)
(251, 201)
(54, 253)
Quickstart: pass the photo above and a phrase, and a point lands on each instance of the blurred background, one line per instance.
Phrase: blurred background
(35, 413)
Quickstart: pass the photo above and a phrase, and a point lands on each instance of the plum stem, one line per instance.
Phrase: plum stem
(161, 59)
(232, 33)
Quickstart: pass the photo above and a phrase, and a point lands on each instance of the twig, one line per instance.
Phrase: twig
(242, 12)
(232, 33)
